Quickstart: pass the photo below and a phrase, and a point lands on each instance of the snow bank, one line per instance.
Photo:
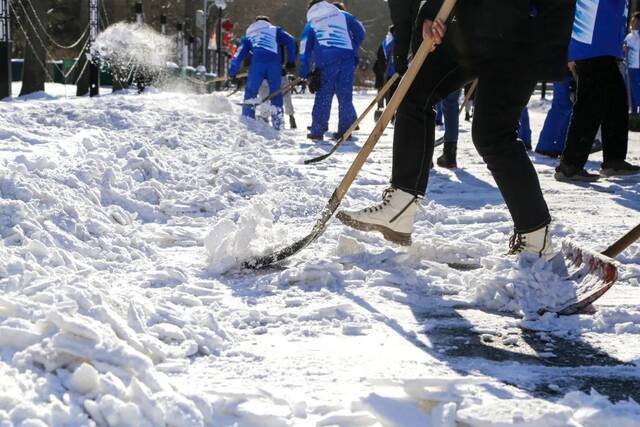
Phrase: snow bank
(78, 339)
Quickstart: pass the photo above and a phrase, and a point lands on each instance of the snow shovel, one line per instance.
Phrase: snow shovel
(284, 89)
(594, 272)
(355, 124)
(342, 189)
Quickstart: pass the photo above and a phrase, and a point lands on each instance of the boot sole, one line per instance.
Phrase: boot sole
(613, 172)
(448, 165)
(402, 239)
(564, 178)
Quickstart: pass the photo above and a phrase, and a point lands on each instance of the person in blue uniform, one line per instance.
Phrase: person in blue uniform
(264, 42)
(384, 69)
(556, 124)
(331, 39)
(601, 100)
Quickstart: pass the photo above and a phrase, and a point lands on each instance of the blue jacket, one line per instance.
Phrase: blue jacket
(598, 29)
(264, 42)
(330, 35)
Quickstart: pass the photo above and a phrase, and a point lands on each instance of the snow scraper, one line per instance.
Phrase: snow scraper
(355, 124)
(342, 189)
(595, 273)
(284, 89)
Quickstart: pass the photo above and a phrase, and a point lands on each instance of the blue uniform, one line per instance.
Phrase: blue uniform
(556, 125)
(263, 41)
(609, 17)
(524, 129)
(332, 39)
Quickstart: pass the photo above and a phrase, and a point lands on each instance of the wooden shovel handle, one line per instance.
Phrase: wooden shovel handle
(627, 240)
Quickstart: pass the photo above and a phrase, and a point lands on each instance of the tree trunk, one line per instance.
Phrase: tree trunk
(33, 73)
(82, 87)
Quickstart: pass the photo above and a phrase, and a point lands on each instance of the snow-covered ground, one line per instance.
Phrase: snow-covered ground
(123, 221)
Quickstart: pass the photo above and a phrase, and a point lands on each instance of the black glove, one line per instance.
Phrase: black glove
(314, 81)
(401, 64)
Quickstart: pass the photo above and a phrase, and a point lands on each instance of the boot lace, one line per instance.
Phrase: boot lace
(517, 243)
(386, 197)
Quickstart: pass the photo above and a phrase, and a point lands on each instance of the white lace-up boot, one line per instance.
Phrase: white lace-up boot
(393, 218)
(537, 242)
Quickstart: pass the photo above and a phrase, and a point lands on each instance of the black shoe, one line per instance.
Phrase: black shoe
(448, 158)
(568, 173)
(336, 136)
(552, 154)
(292, 122)
(467, 117)
(315, 137)
(377, 114)
(618, 168)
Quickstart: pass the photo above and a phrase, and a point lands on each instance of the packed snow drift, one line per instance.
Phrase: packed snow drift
(124, 222)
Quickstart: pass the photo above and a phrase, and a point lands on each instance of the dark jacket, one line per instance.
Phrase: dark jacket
(379, 67)
(528, 37)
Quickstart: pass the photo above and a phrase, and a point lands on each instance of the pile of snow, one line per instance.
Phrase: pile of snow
(124, 221)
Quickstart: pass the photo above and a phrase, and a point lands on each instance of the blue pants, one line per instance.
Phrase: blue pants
(272, 73)
(524, 130)
(439, 114)
(451, 116)
(335, 79)
(556, 125)
(634, 86)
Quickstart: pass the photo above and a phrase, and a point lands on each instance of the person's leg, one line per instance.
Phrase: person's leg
(439, 114)
(254, 80)
(524, 129)
(634, 86)
(450, 108)
(322, 103)
(275, 81)
(556, 124)
(412, 150)
(588, 113)
(498, 106)
(615, 125)
(288, 103)
(451, 126)
(344, 92)
(414, 133)
(262, 111)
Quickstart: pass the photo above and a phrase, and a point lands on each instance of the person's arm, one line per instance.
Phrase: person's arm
(289, 42)
(357, 31)
(306, 50)
(403, 16)
(379, 67)
(241, 54)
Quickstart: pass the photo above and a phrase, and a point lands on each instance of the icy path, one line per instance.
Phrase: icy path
(110, 310)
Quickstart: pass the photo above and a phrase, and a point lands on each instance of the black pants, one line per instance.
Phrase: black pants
(601, 100)
(499, 101)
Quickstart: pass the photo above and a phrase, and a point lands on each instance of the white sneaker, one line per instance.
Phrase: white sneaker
(394, 217)
(537, 242)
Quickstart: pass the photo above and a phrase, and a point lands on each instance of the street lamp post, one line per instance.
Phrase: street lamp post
(94, 66)
(206, 8)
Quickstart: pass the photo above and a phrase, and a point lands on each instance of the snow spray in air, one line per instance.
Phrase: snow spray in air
(134, 51)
